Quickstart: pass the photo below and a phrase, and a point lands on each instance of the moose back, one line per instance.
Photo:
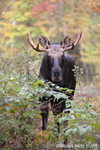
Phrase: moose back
(56, 67)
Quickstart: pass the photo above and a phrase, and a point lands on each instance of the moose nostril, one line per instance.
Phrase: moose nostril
(56, 74)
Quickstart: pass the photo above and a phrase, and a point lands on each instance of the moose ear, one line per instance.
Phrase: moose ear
(65, 41)
(44, 42)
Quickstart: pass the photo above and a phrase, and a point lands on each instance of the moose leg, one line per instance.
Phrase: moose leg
(44, 112)
(57, 108)
(44, 118)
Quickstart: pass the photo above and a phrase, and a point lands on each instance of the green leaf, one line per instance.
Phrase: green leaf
(7, 108)
(94, 112)
(96, 125)
(40, 82)
(49, 94)
(70, 122)
(70, 91)
(59, 95)
(68, 104)
(25, 114)
(17, 100)
(23, 101)
(72, 117)
(38, 112)
(38, 116)
(12, 111)
(68, 132)
(74, 130)
(62, 119)
(31, 114)
(84, 129)
(89, 138)
(78, 115)
(56, 129)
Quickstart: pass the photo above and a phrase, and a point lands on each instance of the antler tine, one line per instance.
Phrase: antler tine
(74, 44)
(30, 41)
(78, 38)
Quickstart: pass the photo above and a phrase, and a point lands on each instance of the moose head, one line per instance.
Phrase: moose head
(54, 54)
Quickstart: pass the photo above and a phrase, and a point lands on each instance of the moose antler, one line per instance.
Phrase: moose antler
(73, 44)
(43, 41)
(30, 41)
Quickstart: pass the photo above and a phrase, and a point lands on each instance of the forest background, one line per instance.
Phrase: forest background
(19, 64)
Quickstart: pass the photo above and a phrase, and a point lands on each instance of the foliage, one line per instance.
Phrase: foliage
(20, 109)
(95, 5)
(83, 119)
(20, 88)
(18, 17)
(17, 93)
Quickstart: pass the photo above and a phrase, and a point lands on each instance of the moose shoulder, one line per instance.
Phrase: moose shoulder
(57, 68)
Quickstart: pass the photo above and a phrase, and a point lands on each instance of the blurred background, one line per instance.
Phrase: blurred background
(20, 88)
(54, 19)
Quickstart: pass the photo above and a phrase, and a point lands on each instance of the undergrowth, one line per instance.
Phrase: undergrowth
(20, 119)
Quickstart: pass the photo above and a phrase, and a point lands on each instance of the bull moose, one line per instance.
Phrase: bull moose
(56, 67)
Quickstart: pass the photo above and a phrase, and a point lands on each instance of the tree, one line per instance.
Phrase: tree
(54, 19)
